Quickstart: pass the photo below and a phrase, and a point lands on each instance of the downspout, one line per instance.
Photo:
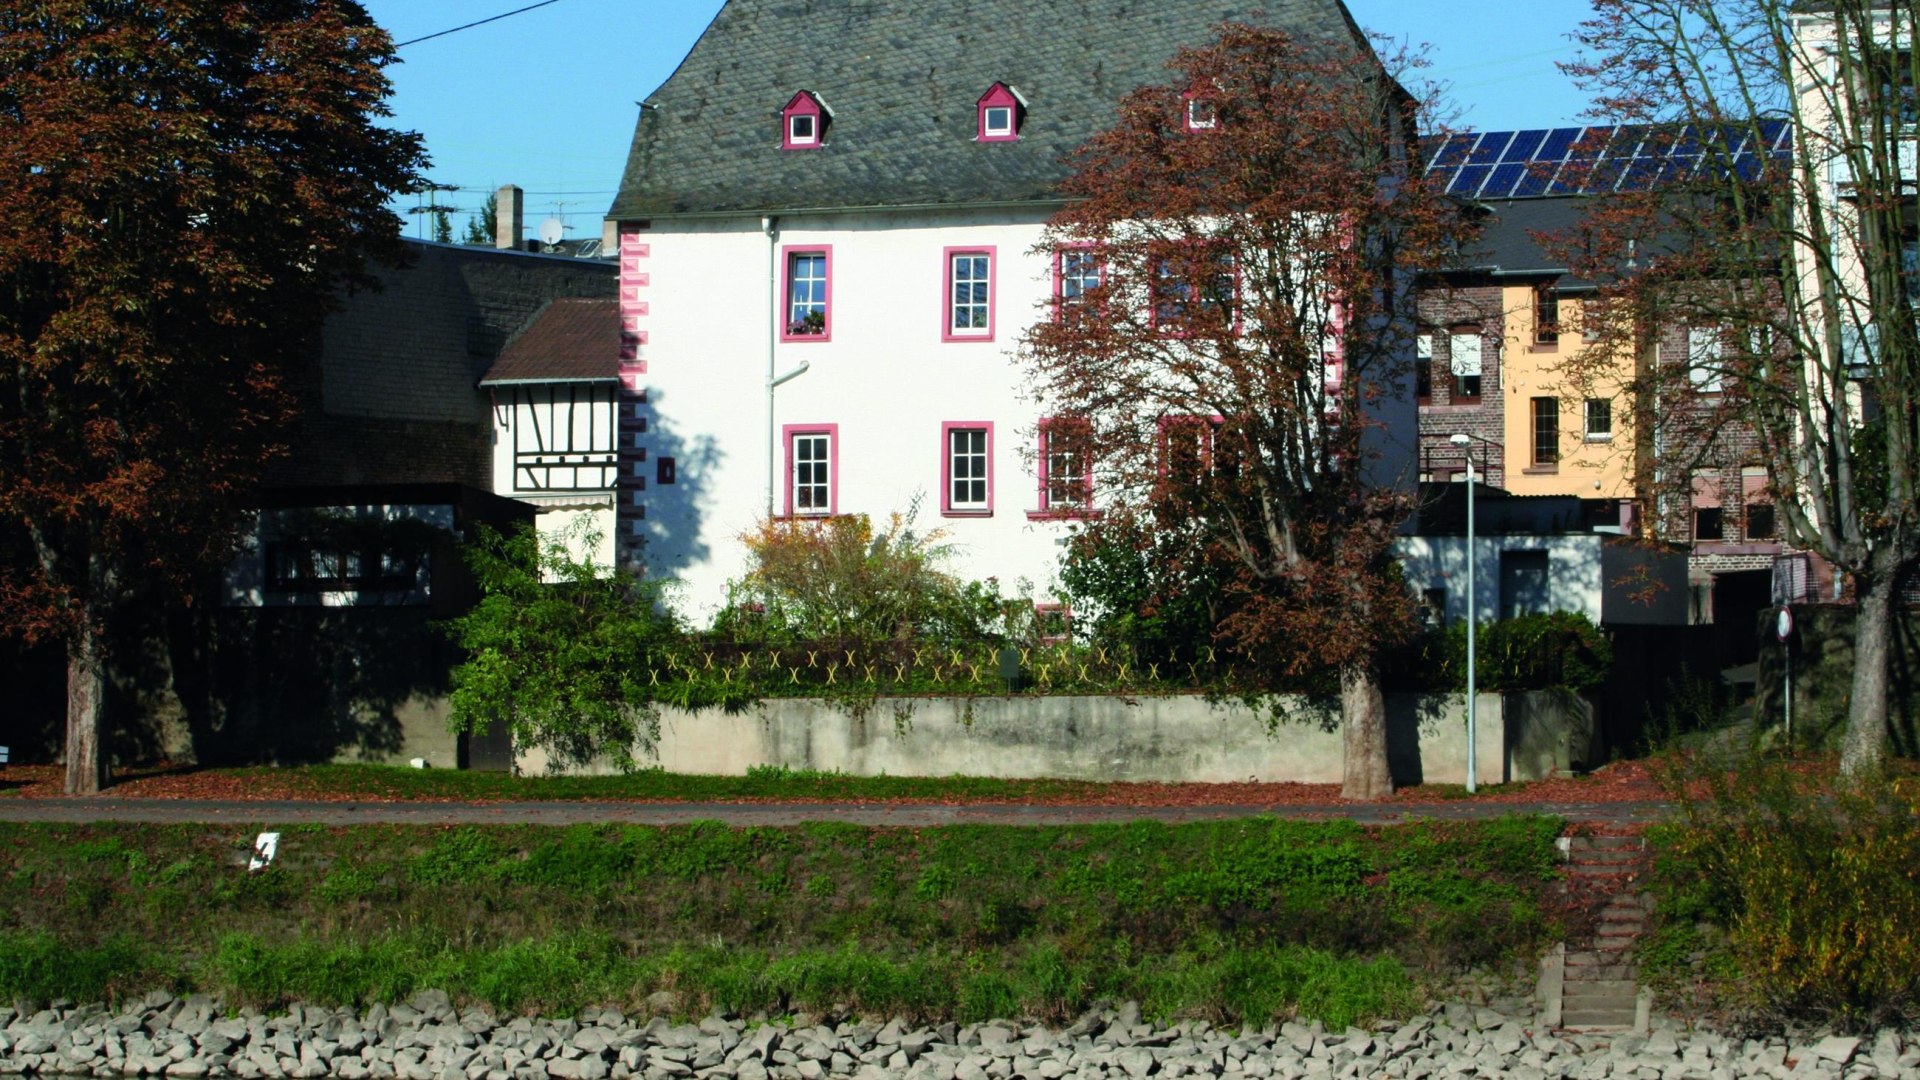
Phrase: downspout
(771, 226)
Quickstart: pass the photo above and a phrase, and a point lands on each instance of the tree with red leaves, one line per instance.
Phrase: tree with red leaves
(1234, 331)
(186, 183)
(1775, 247)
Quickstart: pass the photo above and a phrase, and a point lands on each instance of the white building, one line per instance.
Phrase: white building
(828, 229)
(554, 393)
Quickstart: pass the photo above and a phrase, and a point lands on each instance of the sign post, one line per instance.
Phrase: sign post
(1783, 629)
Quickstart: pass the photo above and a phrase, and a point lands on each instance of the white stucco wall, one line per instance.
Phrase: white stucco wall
(1440, 562)
(581, 419)
(884, 379)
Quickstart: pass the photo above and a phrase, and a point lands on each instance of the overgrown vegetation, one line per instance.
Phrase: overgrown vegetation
(1240, 920)
(558, 649)
(1784, 896)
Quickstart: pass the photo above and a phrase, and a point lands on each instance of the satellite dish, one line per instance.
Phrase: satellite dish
(551, 231)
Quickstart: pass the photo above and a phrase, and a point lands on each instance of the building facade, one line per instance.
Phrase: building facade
(828, 255)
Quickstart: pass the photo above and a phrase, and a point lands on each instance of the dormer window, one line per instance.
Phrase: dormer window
(1201, 114)
(803, 123)
(1000, 111)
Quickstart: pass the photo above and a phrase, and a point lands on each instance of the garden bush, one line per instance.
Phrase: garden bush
(1784, 896)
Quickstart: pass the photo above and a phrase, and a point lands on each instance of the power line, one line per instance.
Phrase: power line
(471, 25)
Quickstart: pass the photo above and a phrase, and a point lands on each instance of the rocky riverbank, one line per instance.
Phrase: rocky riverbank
(428, 1039)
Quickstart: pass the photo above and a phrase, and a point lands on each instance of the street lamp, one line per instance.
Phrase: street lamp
(1465, 442)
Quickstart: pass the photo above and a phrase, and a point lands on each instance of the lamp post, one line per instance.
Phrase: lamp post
(1465, 442)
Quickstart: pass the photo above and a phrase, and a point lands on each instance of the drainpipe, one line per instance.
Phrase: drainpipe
(771, 226)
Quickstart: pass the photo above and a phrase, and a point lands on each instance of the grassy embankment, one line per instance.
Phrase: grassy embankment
(1240, 920)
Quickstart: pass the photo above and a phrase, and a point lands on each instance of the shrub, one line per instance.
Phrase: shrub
(1555, 650)
(557, 648)
(1785, 899)
(837, 579)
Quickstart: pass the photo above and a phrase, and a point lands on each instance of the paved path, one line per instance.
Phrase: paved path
(109, 808)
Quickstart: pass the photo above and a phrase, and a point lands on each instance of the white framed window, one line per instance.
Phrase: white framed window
(1066, 466)
(1202, 115)
(812, 470)
(997, 120)
(802, 129)
(1599, 420)
(1704, 358)
(1076, 272)
(967, 482)
(969, 306)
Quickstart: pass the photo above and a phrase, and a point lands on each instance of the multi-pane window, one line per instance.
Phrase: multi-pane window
(1185, 287)
(807, 313)
(1546, 314)
(1066, 465)
(969, 482)
(1186, 448)
(811, 479)
(1599, 420)
(1076, 273)
(1546, 431)
(969, 295)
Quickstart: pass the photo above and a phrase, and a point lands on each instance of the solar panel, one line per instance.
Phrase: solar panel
(1501, 181)
(1469, 181)
(1523, 145)
(1591, 160)
(1492, 145)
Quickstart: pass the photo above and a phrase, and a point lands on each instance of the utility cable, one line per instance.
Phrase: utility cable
(471, 25)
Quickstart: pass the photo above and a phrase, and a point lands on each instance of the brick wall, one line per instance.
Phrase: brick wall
(390, 394)
(1445, 308)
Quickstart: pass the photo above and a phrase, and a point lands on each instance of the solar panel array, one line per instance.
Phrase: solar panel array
(1489, 165)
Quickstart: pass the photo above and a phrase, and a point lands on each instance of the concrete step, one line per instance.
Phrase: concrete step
(1606, 855)
(1605, 841)
(1598, 1020)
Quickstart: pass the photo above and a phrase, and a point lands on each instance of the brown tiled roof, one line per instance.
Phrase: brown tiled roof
(569, 340)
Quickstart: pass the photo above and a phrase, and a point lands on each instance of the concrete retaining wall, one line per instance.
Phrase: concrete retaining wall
(1161, 739)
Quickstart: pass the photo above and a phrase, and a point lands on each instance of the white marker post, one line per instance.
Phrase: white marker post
(1783, 629)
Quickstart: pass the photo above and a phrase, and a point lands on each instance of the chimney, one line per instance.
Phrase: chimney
(508, 225)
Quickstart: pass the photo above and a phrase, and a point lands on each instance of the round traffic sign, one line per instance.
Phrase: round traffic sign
(1783, 624)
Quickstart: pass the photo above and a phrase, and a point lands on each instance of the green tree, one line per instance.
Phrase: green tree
(557, 649)
(186, 185)
(481, 225)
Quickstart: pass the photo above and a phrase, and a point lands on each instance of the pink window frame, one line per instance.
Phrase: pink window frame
(1065, 611)
(998, 96)
(947, 255)
(785, 314)
(1047, 510)
(947, 428)
(803, 103)
(1153, 305)
(788, 432)
(1210, 425)
(1059, 270)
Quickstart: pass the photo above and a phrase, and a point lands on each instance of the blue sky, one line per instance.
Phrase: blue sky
(545, 99)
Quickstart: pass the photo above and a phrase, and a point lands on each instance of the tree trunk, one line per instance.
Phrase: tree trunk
(1363, 727)
(1864, 746)
(86, 726)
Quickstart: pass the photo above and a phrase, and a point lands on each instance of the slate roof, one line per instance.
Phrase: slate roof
(901, 81)
(1506, 242)
(569, 340)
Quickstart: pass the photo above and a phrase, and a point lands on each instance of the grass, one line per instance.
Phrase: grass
(773, 783)
(1240, 920)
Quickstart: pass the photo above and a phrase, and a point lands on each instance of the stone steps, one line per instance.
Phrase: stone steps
(1597, 988)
